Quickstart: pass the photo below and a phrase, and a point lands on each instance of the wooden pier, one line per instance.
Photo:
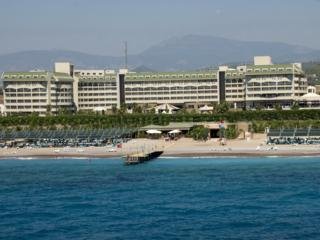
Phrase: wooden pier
(137, 158)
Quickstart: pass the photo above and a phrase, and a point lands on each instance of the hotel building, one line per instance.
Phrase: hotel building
(37, 92)
(262, 84)
(172, 87)
(95, 89)
(268, 84)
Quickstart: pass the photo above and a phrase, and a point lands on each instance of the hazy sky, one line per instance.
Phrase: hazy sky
(101, 26)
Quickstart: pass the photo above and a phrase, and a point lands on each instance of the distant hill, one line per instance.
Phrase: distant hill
(193, 51)
(142, 69)
(312, 70)
(44, 59)
(180, 53)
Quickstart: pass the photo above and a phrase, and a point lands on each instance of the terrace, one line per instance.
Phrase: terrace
(294, 136)
(61, 138)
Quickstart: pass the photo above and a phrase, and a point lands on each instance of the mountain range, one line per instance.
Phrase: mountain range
(178, 53)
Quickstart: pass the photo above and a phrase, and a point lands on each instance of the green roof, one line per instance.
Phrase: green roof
(252, 70)
(38, 76)
(273, 69)
(59, 74)
(171, 126)
(25, 75)
(10, 74)
(270, 66)
(233, 73)
(106, 77)
(172, 75)
(62, 76)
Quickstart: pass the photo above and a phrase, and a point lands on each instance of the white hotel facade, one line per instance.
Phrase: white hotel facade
(262, 84)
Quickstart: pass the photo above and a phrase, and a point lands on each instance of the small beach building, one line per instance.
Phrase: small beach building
(184, 127)
(311, 99)
(206, 109)
(166, 108)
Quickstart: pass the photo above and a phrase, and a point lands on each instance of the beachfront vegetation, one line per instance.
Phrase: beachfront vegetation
(260, 126)
(260, 119)
(222, 108)
(199, 133)
(231, 132)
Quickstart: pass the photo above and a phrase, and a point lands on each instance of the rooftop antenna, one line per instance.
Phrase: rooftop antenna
(126, 55)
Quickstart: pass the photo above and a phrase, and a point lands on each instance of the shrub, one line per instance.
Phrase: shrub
(199, 133)
(231, 132)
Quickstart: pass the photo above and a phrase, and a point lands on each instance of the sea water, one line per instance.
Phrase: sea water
(168, 198)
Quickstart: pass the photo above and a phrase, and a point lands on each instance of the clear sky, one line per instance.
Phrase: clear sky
(101, 26)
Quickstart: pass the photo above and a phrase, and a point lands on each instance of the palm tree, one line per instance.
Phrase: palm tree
(222, 107)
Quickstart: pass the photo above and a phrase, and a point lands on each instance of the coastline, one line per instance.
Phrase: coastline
(181, 155)
(184, 147)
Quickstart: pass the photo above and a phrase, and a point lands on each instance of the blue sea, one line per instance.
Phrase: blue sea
(168, 198)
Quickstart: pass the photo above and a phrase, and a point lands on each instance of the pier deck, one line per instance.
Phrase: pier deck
(137, 158)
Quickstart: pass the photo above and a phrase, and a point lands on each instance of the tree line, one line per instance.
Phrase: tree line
(260, 119)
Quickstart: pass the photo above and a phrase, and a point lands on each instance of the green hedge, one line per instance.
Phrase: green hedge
(260, 119)
(260, 126)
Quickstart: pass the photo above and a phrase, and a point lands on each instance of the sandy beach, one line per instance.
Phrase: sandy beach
(182, 147)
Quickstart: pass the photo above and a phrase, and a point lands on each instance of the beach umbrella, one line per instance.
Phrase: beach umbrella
(153, 131)
(175, 131)
(206, 108)
(166, 108)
